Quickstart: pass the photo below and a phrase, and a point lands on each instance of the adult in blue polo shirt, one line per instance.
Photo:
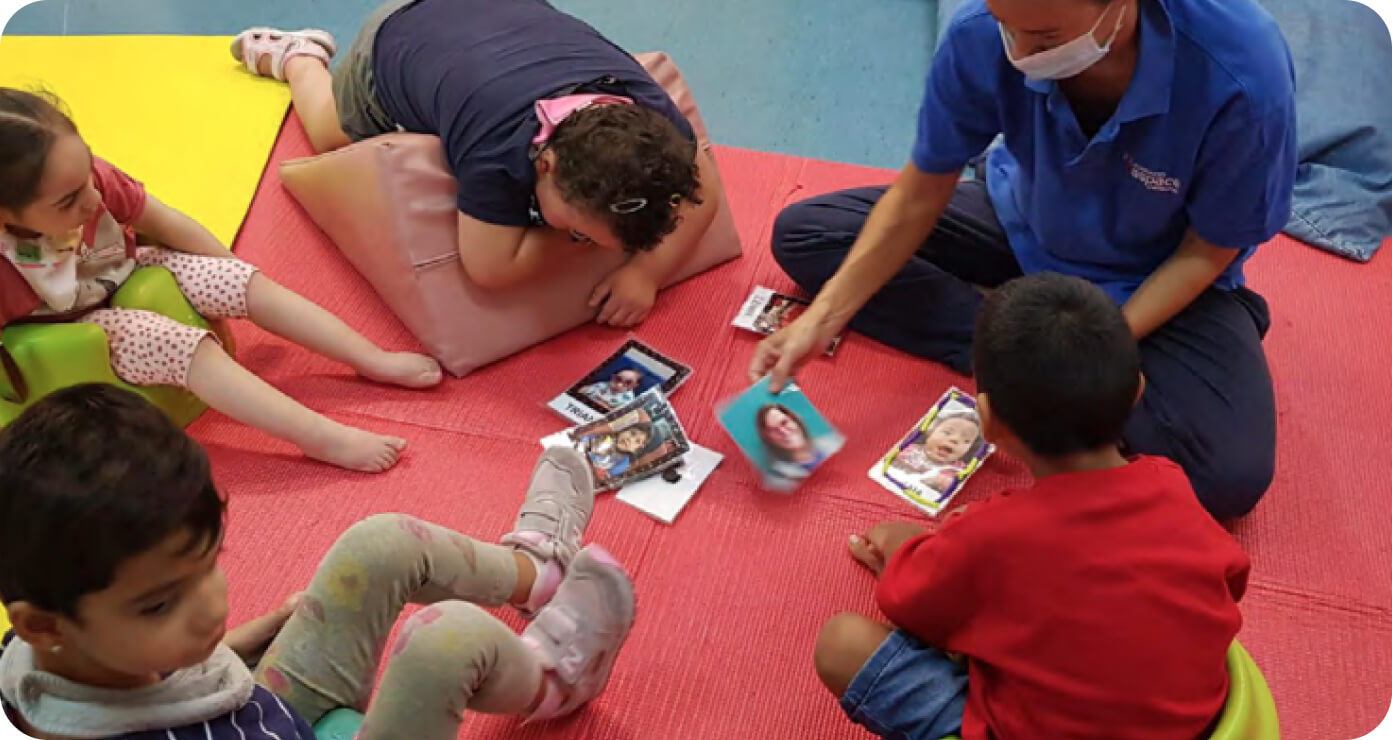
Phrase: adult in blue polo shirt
(1148, 146)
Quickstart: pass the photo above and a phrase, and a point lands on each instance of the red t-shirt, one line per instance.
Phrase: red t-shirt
(1092, 606)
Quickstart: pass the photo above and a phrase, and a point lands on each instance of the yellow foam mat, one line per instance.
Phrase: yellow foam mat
(176, 112)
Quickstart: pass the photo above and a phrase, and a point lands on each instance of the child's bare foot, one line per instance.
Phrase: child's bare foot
(406, 369)
(866, 554)
(250, 640)
(354, 449)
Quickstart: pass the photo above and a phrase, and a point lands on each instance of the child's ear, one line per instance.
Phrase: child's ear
(993, 430)
(984, 415)
(546, 162)
(35, 626)
(1140, 390)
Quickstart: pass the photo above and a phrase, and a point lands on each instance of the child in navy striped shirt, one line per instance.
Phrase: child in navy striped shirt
(110, 529)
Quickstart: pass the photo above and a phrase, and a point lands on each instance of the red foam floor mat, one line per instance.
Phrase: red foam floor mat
(731, 596)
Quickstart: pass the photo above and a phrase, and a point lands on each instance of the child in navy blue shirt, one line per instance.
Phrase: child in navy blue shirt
(110, 530)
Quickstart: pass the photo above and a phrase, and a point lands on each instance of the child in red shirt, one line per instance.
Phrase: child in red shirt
(1098, 603)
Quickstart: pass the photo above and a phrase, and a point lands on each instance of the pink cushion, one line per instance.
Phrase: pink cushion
(389, 205)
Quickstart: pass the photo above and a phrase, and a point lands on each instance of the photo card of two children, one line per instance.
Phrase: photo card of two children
(937, 457)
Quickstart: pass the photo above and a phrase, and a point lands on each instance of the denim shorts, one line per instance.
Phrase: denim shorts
(908, 691)
(360, 112)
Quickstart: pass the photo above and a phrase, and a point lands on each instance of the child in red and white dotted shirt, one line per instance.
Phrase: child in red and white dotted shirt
(1096, 604)
(68, 223)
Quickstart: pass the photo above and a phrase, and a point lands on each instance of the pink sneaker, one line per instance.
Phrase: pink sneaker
(551, 523)
(255, 44)
(578, 636)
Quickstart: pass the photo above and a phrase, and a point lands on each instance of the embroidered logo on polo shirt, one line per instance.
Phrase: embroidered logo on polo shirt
(1152, 180)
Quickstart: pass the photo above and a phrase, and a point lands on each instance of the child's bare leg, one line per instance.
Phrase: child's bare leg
(300, 58)
(235, 391)
(311, 92)
(283, 312)
(846, 643)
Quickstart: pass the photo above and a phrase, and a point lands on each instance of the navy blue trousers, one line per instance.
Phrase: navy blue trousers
(1208, 403)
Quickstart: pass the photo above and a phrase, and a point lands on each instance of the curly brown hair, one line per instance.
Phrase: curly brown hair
(610, 158)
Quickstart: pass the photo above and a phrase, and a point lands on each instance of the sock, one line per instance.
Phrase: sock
(551, 702)
(549, 575)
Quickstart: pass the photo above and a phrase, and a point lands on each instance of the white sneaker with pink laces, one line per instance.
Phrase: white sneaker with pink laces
(255, 44)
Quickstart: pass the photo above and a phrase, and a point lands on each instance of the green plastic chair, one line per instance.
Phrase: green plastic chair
(340, 724)
(49, 357)
(1250, 711)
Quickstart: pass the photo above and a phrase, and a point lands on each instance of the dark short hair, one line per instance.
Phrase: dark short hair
(29, 122)
(1058, 363)
(610, 156)
(90, 477)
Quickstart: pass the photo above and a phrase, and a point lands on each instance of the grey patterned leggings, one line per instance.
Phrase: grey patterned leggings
(449, 657)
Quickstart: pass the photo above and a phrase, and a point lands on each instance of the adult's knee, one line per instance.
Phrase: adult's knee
(1232, 488)
(843, 646)
(812, 237)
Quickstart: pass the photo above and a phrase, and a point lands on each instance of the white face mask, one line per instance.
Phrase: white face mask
(1070, 59)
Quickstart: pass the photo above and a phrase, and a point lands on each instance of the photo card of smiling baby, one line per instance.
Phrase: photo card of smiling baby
(630, 371)
(638, 440)
(937, 457)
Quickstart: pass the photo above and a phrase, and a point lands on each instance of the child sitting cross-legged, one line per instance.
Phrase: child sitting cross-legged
(110, 530)
(1098, 603)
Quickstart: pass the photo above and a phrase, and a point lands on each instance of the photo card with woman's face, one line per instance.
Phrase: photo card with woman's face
(782, 434)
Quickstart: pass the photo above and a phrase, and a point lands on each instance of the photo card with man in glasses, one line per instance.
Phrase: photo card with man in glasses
(632, 370)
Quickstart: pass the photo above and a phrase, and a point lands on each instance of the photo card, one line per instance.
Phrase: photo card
(783, 435)
(766, 311)
(937, 457)
(630, 371)
(634, 442)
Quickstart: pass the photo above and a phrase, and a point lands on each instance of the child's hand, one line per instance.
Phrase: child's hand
(250, 640)
(627, 296)
(874, 548)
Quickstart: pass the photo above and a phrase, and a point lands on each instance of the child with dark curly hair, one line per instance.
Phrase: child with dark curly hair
(559, 139)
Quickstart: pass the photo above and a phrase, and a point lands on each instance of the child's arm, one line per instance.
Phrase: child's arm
(497, 257)
(629, 292)
(171, 228)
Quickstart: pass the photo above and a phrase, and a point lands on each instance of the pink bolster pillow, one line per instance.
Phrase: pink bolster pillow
(389, 204)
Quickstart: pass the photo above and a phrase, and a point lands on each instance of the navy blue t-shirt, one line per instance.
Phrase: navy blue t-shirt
(471, 71)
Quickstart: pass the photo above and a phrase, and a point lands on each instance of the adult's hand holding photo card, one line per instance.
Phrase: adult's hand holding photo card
(782, 434)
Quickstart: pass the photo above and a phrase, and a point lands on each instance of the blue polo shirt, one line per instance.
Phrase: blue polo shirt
(1203, 139)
